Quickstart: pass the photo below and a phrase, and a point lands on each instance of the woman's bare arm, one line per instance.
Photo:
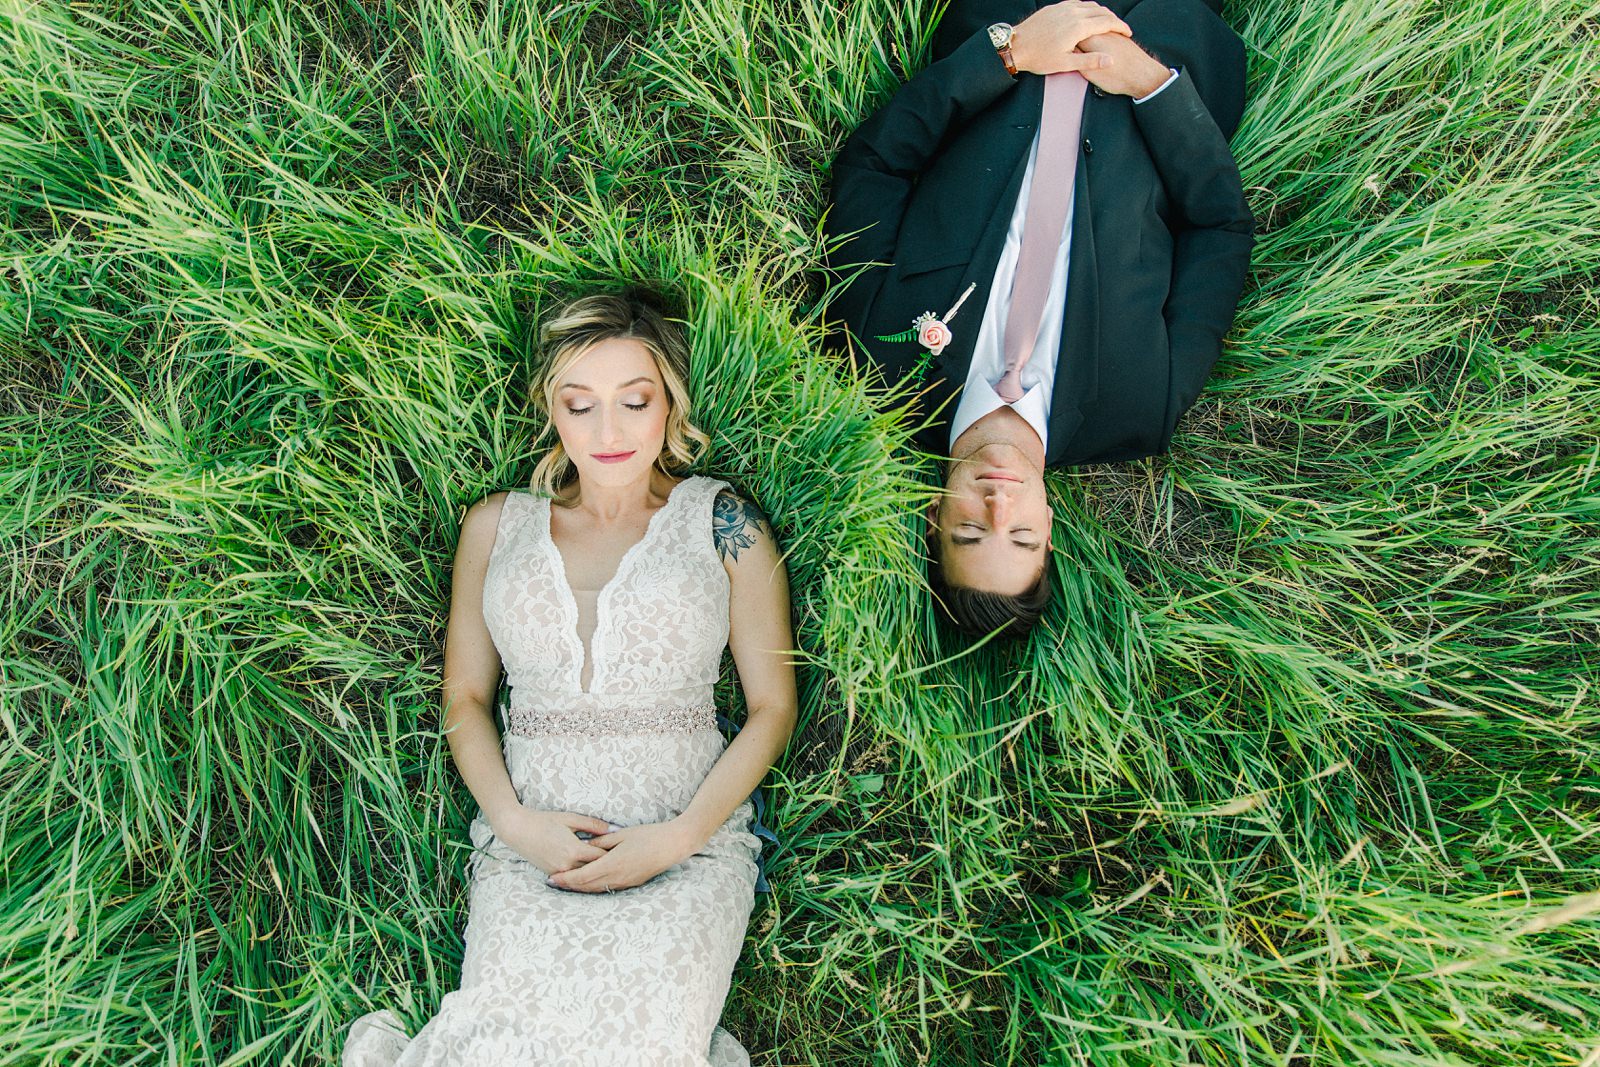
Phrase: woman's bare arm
(761, 641)
(472, 667)
(471, 676)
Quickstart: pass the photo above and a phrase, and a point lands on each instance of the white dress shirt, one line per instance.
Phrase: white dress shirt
(978, 397)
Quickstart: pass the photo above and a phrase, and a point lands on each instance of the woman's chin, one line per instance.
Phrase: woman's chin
(598, 473)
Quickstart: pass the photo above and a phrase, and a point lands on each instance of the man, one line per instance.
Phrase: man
(1056, 321)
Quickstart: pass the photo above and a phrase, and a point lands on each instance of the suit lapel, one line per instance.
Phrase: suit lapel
(1014, 126)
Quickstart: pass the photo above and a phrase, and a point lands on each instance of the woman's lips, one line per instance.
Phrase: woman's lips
(611, 457)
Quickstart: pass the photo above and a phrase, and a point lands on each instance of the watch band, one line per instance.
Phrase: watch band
(1000, 36)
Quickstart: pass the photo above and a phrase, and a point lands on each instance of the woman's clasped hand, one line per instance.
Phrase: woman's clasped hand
(611, 857)
(549, 839)
(629, 857)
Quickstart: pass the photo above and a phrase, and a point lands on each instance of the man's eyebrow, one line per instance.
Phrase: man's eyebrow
(963, 542)
(1036, 546)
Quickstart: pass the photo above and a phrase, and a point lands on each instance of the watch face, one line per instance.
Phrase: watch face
(1000, 34)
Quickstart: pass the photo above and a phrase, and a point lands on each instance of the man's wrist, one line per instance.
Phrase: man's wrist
(1002, 37)
(1153, 74)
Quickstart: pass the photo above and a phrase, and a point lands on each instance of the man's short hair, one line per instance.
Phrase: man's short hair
(977, 612)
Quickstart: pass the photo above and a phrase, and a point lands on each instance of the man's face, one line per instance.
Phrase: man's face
(993, 521)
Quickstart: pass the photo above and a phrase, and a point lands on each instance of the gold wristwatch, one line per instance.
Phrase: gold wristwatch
(1000, 37)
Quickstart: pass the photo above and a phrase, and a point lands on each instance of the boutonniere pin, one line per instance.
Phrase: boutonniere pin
(931, 332)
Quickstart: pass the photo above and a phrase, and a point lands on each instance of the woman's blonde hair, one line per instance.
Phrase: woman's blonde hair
(579, 325)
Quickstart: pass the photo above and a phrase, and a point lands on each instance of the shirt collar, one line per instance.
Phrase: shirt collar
(979, 398)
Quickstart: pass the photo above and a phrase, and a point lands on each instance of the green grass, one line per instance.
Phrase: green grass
(1302, 769)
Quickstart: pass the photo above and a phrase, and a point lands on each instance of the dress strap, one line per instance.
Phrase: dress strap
(701, 516)
(509, 525)
(709, 488)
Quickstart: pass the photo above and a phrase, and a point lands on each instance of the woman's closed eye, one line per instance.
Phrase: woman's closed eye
(585, 410)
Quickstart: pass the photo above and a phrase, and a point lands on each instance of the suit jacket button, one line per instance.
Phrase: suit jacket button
(1088, 147)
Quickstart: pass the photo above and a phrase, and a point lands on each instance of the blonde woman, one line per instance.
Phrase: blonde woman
(614, 866)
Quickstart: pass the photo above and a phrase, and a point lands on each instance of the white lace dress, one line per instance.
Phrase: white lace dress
(636, 976)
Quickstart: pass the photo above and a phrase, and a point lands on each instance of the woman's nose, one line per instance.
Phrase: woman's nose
(609, 429)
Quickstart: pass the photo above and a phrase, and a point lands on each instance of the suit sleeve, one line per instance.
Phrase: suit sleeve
(877, 169)
(1212, 227)
(1212, 230)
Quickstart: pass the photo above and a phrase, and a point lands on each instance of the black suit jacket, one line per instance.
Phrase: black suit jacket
(923, 193)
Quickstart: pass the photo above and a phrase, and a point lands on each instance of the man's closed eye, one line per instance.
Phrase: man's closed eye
(970, 539)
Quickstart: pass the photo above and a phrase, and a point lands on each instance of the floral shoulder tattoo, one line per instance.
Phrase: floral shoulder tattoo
(735, 524)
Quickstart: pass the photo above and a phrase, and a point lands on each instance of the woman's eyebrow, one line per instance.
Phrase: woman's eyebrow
(624, 385)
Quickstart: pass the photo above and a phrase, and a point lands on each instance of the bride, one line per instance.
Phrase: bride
(613, 866)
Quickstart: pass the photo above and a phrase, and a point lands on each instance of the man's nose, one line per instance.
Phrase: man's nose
(999, 505)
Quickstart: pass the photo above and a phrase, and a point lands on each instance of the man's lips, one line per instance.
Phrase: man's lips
(610, 457)
(999, 476)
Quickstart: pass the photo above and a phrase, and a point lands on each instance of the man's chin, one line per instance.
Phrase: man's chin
(1007, 457)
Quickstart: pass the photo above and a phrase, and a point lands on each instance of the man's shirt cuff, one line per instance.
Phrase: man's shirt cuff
(1157, 92)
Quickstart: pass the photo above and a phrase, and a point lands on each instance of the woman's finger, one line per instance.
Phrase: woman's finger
(578, 859)
(585, 878)
(586, 823)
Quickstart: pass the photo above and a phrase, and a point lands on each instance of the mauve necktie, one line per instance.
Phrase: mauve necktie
(1053, 173)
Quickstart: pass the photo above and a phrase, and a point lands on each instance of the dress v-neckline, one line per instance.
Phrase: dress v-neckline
(586, 649)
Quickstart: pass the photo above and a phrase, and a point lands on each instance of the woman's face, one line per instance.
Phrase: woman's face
(611, 412)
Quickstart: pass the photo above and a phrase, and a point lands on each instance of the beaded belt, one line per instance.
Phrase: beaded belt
(626, 720)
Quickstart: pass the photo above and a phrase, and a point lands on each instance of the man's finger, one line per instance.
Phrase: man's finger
(1081, 61)
(1107, 23)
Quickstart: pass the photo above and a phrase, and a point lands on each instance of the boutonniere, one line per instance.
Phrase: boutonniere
(930, 331)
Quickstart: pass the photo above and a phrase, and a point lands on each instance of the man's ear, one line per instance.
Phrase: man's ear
(932, 515)
(1049, 528)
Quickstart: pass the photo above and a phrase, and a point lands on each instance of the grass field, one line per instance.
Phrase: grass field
(1302, 769)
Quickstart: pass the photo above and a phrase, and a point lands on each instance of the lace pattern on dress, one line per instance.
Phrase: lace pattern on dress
(634, 719)
(661, 622)
(635, 978)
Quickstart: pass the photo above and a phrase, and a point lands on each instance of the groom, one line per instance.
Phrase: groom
(1055, 258)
